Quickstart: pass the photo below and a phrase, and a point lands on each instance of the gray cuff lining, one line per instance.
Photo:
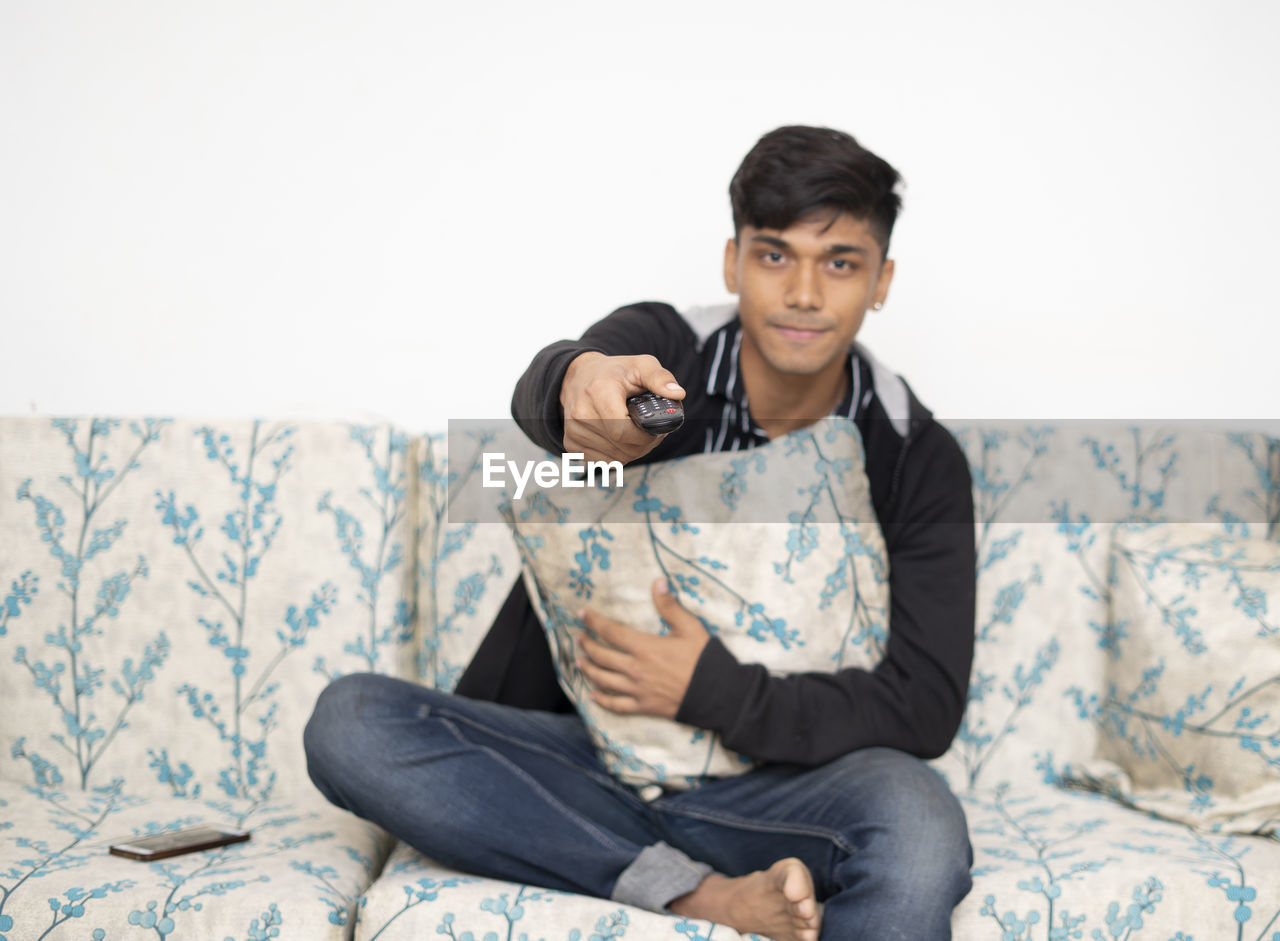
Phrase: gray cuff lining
(658, 876)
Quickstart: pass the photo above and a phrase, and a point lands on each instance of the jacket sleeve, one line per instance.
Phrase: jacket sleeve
(914, 699)
(648, 327)
(512, 665)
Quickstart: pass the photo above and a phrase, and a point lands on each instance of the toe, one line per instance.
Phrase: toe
(797, 886)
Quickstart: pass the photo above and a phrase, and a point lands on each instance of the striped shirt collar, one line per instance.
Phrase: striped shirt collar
(724, 381)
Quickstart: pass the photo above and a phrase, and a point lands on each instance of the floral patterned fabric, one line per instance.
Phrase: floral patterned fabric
(300, 875)
(777, 551)
(466, 566)
(173, 597)
(1043, 857)
(175, 594)
(418, 898)
(1051, 863)
(1190, 714)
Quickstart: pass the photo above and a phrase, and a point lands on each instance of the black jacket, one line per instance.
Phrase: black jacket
(922, 493)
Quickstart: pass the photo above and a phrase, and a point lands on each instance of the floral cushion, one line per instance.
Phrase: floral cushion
(777, 551)
(1047, 863)
(175, 594)
(1190, 711)
(467, 561)
(418, 898)
(1046, 499)
(1057, 864)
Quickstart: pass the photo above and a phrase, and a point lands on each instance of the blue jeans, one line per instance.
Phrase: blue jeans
(519, 795)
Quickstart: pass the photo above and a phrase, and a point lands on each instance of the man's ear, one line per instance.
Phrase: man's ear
(731, 265)
(883, 280)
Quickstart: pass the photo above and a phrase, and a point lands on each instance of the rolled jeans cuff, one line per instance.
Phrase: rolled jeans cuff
(658, 876)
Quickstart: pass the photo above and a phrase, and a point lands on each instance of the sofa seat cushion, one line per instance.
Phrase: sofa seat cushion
(1042, 856)
(301, 873)
(417, 897)
(1087, 867)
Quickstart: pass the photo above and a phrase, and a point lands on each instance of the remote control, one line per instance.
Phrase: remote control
(655, 414)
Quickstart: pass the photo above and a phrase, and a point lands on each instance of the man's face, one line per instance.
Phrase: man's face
(802, 291)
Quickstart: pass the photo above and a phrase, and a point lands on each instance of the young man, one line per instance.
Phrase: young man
(843, 831)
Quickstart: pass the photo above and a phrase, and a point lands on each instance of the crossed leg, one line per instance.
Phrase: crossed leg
(520, 795)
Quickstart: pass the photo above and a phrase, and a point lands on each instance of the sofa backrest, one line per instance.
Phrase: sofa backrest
(466, 567)
(1046, 497)
(175, 594)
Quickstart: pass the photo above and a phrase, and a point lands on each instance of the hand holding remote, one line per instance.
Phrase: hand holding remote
(656, 414)
(593, 399)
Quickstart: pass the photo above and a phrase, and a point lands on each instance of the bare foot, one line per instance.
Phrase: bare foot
(779, 903)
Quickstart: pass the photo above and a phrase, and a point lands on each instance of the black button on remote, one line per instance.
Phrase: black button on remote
(655, 414)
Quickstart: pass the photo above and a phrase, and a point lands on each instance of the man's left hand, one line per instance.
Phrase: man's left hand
(638, 673)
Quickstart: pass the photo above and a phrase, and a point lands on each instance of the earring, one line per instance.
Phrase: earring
(877, 305)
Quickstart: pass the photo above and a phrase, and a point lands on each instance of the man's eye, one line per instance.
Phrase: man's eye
(772, 256)
(843, 264)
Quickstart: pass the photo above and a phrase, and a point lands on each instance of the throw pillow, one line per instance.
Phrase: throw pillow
(777, 550)
(1190, 713)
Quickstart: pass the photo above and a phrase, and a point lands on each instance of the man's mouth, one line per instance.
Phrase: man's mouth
(799, 334)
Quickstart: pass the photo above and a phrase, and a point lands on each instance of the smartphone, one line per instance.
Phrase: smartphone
(177, 842)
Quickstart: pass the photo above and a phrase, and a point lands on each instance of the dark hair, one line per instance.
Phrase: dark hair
(795, 171)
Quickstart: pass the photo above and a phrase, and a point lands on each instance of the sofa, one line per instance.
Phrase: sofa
(174, 595)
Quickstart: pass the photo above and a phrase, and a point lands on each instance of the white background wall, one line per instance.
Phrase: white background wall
(362, 209)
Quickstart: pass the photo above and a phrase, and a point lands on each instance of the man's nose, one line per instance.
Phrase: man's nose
(803, 290)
